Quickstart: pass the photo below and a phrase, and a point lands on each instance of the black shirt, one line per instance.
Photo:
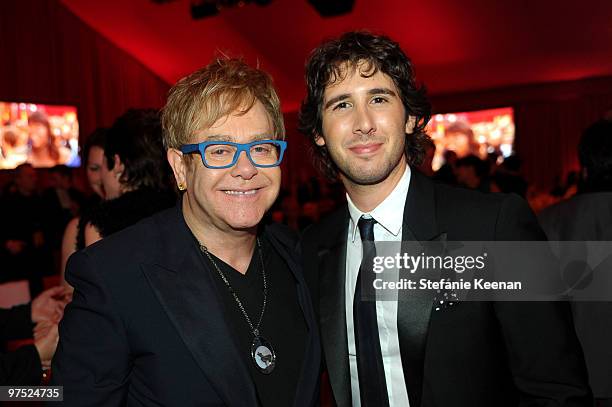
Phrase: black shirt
(283, 324)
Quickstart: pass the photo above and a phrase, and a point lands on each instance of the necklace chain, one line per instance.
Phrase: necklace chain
(254, 329)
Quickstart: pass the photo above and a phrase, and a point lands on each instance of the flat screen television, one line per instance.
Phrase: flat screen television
(42, 135)
(477, 132)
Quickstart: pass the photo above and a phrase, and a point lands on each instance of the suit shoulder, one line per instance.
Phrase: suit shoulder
(130, 245)
(329, 223)
(283, 233)
(476, 215)
(463, 196)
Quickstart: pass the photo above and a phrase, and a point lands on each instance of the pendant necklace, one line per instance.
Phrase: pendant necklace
(262, 353)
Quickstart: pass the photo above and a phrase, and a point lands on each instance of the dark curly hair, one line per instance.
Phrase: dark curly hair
(326, 65)
(136, 137)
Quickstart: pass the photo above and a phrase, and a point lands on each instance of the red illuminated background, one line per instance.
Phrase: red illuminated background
(549, 60)
(456, 45)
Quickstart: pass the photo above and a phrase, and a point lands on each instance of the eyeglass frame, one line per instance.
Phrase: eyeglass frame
(240, 147)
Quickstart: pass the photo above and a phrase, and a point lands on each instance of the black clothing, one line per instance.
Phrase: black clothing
(146, 328)
(57, 217)
(23, 217)
(283, 325)
(21, 367)
(89, 206)
(473, 353)
(16, 322)
(445, 174)
(588, 217)
(117, 214)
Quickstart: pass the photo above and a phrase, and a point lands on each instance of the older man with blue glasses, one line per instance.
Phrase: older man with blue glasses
(200, 304)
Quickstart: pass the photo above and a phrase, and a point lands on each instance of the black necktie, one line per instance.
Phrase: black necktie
(372, 384)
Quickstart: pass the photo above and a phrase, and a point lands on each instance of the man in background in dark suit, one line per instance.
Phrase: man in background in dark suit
(366, 118)
(588, 217)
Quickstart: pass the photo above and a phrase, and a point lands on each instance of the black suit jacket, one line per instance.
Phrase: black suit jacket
(471, 354)
(146, 328)
(587, 217)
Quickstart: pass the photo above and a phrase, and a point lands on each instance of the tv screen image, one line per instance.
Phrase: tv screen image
(477, 132)
(38, 134)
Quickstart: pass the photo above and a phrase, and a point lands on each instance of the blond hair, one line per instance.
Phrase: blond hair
(225, 86)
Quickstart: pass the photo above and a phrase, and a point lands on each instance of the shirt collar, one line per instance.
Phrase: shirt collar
(389, 213)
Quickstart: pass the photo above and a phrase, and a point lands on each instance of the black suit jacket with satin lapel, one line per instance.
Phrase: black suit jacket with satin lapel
(146, 326)
(474, 353)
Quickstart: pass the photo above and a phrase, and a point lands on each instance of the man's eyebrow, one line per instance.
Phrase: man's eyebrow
(218, 137)
(382, 91)
(225, 137)
(336, 99)
(374, 91)
(263, 136)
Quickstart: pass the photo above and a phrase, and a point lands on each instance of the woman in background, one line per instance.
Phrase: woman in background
(135, 174)
(74, 235)
(94, 158)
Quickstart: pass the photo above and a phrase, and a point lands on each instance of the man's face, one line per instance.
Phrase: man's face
(234, 198)
(364, 127)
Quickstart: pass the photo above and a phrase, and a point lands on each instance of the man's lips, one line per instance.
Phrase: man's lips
(241, 191)
(365, 148)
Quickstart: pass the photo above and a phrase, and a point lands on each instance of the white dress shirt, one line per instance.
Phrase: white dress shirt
(389, 217)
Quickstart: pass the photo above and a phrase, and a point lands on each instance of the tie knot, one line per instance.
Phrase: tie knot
(366, 229)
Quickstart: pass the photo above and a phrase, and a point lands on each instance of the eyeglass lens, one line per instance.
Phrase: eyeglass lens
(222, 154)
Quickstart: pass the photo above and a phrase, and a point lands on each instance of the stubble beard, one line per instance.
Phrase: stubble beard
(353, 173)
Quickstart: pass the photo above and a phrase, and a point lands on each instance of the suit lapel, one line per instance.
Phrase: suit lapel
(415, 306)
(185, 289)
(308, 382)
(332, 273)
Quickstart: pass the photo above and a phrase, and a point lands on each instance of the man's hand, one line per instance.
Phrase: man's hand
(46, 338)
(49, 305)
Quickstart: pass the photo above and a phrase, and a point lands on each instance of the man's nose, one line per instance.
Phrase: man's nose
(244, 168)
(363, 122)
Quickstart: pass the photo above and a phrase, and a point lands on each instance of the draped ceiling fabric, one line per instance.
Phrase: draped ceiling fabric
(48, 55)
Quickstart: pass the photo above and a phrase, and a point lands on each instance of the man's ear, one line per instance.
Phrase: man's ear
(177, 162)
(410, 124)
(319, 140)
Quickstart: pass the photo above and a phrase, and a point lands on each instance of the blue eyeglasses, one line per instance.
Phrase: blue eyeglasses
(224, 154)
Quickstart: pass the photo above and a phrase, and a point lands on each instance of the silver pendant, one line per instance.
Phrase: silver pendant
(263, 355)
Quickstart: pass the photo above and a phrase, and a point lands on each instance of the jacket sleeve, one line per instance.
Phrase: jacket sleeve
(544, 354)
(16, 322)
(21, 367)
(92, 361)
